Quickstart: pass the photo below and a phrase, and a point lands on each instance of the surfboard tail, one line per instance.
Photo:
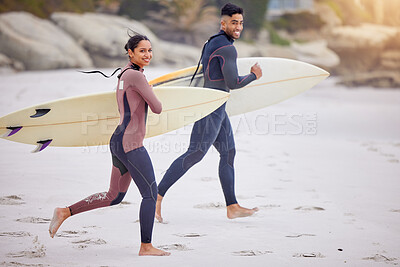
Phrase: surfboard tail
(42, 145)
(40, 112)
(11, 131)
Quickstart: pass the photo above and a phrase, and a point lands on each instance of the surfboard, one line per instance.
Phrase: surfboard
(281, 80)
(90, 120)
(96, 115)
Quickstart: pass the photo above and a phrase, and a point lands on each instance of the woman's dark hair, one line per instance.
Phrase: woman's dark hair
(134, 41)
(230, 9)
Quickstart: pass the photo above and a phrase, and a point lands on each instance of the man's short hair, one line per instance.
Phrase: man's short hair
(230, 9)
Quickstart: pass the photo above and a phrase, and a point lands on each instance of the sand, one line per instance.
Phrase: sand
(323, 168)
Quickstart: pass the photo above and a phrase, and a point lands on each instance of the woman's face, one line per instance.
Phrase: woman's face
(142, 54)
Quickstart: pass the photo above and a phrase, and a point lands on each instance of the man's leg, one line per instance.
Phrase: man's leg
(203, 135)
(225, 145)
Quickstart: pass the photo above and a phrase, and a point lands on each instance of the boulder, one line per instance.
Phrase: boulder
(390, 60)
(246, 49)
(104, 36)
(38, 43)
(379, 79)
(361, 37)
(278, 51)
(317, 53)
(263, 50)
(180, 55)
(9, 65)
(360, 48)
(327, 15)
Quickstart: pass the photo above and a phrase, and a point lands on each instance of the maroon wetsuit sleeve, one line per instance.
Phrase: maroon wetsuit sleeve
(140, 85)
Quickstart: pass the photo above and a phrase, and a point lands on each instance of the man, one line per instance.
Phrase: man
(220, 72)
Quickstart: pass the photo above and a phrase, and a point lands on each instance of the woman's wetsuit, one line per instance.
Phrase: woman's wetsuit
(129, 157)
(221, 73)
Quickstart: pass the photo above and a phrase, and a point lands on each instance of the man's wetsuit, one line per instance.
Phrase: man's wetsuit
(129, 157)
(220, 72)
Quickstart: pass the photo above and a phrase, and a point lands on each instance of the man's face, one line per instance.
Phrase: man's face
(232, 26)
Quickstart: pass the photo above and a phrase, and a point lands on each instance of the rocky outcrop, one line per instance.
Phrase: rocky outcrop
(180, 54)
(383, 79)
(38, 43)
(327, 15)
(104, 36)
(9, 65)
(263, 50)
(317, 53)
(390, 60)
(361, 37)
(367, 52)
(314, 52)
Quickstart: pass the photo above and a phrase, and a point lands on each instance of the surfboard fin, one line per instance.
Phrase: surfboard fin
(11, 131)
(42, 145)
(40, 112)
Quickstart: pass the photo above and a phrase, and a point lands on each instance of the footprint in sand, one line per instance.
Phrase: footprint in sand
(33, 220)
(382, 258)
(372, 149)
(11, 200)
(71, 234)
(179, 247)
(244, 197)
(90, 241)
(19, 264)
(15, 234)
(299, 235)
(208, 179)
(190, 235)
(269, 206)
(91, 226)
(251, 253)
(387, 155)
(309, 208)
(38, 251)
(212, 205)
(309, 255)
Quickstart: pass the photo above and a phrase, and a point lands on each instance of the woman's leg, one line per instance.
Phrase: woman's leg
(119, 184)
(141, 169)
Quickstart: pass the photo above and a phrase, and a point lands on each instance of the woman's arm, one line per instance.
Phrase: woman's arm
(140, 84)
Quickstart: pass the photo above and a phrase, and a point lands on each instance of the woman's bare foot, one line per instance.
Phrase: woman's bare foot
(147, 249)
(236, 211)
(59, 216)
(158, 209)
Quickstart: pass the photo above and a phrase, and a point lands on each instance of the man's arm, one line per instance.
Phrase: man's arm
(228, 57)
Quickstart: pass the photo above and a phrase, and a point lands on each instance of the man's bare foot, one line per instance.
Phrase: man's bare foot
(236, 211)
(59, 216)
(158, 209)
(147, 249)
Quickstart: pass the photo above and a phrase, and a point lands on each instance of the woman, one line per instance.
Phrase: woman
(129, 157)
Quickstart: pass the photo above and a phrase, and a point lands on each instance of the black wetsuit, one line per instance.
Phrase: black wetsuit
(220, 72)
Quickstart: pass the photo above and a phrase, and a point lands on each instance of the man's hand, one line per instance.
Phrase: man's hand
(256, 69)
